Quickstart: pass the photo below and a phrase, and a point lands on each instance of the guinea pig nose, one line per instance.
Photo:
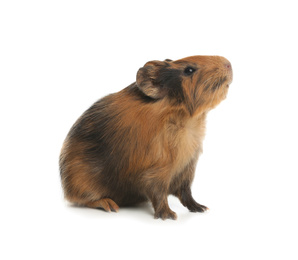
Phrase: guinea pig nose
(228, 65)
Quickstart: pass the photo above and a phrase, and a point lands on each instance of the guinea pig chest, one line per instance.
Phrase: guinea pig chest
(143, 143)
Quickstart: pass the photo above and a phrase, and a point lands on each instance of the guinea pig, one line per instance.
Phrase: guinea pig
(143, 142)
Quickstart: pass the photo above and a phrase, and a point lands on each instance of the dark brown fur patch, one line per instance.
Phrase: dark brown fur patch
(141, 144)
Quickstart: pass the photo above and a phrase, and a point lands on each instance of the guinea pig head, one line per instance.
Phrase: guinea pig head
(198, 82)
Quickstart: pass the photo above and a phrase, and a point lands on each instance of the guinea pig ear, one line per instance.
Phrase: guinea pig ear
(147, 80)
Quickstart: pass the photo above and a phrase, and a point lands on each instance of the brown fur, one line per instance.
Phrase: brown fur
(143, 142)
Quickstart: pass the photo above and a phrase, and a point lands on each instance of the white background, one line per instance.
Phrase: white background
(58, 57)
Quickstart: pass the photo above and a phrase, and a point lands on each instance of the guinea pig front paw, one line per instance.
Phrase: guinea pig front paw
(165, 214)
(196, 207)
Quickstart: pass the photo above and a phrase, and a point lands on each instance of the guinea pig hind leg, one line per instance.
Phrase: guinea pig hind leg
(106, 204)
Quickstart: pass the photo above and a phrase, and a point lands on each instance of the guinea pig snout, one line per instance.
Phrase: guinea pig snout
(228, 65)
(227, 69)
(224, 63)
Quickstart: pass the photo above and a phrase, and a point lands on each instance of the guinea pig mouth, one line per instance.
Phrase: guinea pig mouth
(230, 77)
(229, 80)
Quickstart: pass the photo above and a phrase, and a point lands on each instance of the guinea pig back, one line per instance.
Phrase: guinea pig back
(143, 142)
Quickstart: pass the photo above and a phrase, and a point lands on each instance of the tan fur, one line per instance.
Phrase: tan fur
(155, 144)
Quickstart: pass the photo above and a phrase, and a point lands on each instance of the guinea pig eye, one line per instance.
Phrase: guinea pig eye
(189, 70)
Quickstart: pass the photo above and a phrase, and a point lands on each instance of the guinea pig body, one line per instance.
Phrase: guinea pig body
(143, 142)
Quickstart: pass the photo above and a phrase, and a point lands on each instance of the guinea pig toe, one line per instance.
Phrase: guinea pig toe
(196, 207)
(204, 207)
(108, 205)
(167, 214)
(172, 215)
(113, 206)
